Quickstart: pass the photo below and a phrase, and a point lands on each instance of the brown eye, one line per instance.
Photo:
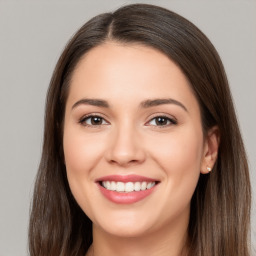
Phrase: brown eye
(96, 120)
(93, 121)
(162, 121)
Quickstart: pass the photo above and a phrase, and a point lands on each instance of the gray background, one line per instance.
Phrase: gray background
(32, 36)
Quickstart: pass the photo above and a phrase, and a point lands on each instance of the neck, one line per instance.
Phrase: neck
(170, 241)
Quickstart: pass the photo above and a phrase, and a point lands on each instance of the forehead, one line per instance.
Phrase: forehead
(120, 56)
(124, 71)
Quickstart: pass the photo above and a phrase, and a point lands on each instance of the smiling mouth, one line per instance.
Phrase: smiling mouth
(126, 187)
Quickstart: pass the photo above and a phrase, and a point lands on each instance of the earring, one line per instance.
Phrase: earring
(208, 169)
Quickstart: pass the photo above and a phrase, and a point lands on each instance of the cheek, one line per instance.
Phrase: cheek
(82, 153)
(180, 151)
(179, 156)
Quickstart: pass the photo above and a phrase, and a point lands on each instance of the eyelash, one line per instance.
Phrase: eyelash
(171, 121)
(87, 117)
(83, 120)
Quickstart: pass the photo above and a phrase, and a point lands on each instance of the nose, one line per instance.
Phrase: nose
(125, 147)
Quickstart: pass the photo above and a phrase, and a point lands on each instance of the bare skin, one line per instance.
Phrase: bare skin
(131, 111)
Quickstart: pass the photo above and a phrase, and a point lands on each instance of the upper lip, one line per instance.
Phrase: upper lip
(125, 178)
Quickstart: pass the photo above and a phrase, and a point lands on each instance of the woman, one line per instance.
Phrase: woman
(142, 152)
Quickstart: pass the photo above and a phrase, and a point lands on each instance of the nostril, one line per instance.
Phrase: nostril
(124, 162)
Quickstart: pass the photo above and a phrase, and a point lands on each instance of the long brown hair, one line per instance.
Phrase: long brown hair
(220, 207)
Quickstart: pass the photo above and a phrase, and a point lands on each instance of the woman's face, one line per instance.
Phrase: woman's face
(133, 140)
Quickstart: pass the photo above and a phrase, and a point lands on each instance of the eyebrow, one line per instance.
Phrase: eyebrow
(93, 102)
(143, 104)
(157, 102)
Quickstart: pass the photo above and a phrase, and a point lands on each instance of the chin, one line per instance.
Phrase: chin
(126, 225)
(125, 231)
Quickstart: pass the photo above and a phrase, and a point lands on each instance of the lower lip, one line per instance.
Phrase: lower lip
(124, 197)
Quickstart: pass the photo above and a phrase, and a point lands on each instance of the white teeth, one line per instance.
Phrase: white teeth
(128, 186)
(113, 186)
(143, 185)
(104, 184)
(120, 187)
(107, 184)
(150, 185)
(137, 186)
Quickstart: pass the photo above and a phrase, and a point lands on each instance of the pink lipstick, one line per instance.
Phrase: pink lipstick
(126, 189)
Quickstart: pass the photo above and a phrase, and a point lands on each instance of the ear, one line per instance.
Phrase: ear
(210, 153)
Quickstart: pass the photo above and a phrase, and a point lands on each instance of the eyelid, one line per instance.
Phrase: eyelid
(90, 115)
(172, 119)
